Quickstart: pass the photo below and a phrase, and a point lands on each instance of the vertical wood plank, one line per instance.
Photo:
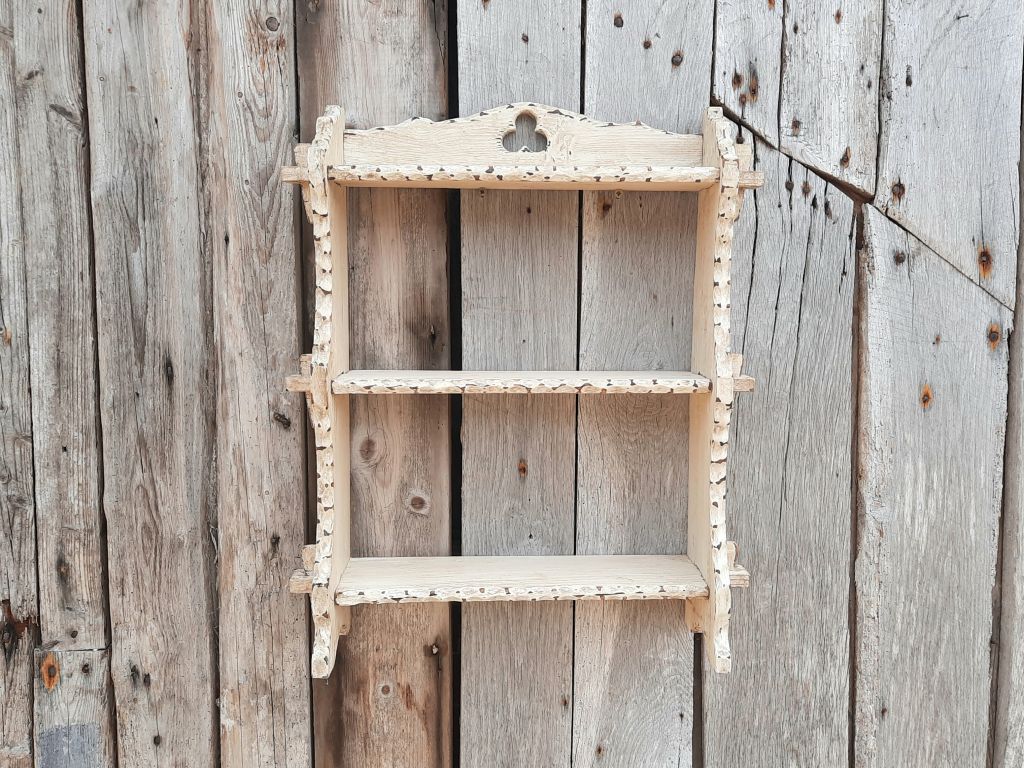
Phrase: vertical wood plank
(19, 601)
(146, 92)
(804, 76)
(52, 143)
(932, 415)
(72, 707)
(748, 62)
(519, 277)
(634, 660)
(790, 466)
(950, 115)
(263, 636)
(1008, 741)
(389, 699)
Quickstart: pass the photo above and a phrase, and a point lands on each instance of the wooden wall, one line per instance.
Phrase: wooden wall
(154, 474)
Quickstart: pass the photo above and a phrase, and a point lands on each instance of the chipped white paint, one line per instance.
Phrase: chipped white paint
(519, 382)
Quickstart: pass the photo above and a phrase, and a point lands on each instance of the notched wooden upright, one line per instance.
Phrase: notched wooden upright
(482, 151)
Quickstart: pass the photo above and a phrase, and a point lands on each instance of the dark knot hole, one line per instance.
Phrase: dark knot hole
(526, 137)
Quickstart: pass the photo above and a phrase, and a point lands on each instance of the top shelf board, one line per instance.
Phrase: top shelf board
(526, 146)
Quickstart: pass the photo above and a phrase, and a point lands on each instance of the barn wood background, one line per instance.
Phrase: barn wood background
(154, 472)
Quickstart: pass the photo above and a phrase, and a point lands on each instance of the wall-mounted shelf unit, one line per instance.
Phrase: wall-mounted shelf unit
(478, 152)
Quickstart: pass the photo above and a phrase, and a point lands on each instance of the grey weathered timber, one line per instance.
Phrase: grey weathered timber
(389, 700)
(19, 606)
(634, 660)
(804, 75)
(790, 477)
(1008, 741)
(52, 144)
(950, 120)
(265, 705)
(156, 378)
(519, 254)
(73, 708)
(930, 443)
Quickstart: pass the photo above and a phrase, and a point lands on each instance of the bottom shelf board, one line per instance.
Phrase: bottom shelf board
(569, 577)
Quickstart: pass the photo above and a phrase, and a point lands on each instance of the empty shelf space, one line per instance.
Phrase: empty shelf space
(458, 579)
(519, 176)
(521, 382)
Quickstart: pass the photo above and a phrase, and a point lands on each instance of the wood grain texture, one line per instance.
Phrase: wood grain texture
(19, 601)
(1008, 731)
(154, 316)
(73, 709)
(52, 144)
(930, 458)
(790, 477)
(634, 662)
(263, 639)
(519, 277)
(804, 76)
(389, 701)
(950, 115)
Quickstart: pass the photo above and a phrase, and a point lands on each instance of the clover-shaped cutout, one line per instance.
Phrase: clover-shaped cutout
(525, 137)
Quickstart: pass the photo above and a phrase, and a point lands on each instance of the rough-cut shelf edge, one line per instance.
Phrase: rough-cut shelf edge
(383, 580)
(519, 382)
(610, 177)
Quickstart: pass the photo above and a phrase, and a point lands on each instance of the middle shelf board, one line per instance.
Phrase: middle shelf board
(562, 577)
(519, 382)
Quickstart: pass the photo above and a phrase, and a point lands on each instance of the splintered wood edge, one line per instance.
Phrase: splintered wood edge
(315, 195)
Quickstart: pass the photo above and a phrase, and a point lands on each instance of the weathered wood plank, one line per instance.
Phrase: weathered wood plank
(1008, 740)
(519, 274)
(19, 600)
(389, 700)
(950, 120)
(790, 477)
(804, 76)
(932, 416)
(54, 161)
(748, 61)
(73, 706)
(145, 95)
(263, 639)
(634, 662)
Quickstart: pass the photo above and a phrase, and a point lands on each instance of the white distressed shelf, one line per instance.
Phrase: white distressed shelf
(479, 151)
(381, 580)
(518, 382)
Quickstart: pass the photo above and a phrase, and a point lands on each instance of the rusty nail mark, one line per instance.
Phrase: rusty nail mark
(805, 188)
(795, 125)
(789, 185)
(844, 161)
(754, 86)
(938, 338)
(617, 20)
(522, 468)
(899, 257)
(647, 43)
(771, 5)
(743, 99)
(993, 335)
(984, 260)
(525, 38)
(7, 336)
(926, 396)
(157, 740)
(86, 668)
(50, 669)
(737, 80)
(898, 191)
(839, 15)
(677, 58)
(283, 420)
